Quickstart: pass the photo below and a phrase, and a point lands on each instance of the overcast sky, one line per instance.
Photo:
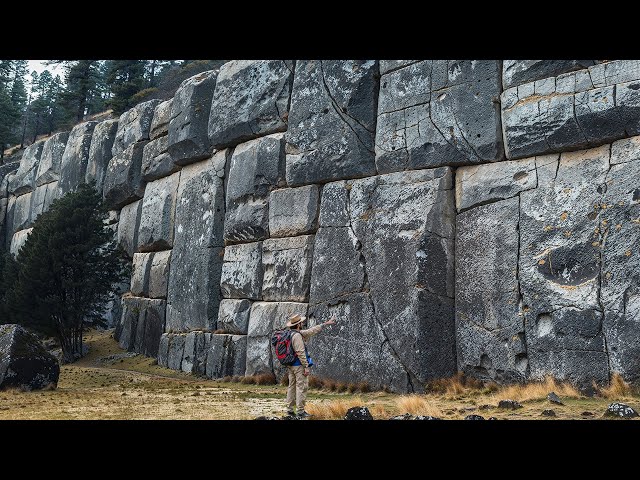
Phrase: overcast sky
(39, 66)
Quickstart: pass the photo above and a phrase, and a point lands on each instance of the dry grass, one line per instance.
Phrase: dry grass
(334, 410)
(417, 405)
(536, 390)
(459, 384)
(259, 379)
(617, 388)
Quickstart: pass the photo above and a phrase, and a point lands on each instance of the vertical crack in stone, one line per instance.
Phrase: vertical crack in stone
(520, 298)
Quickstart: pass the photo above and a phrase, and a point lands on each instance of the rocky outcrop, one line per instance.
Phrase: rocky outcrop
(100, 151)
(155, 231)
(134, 126)
(24, 362)
(128, 227)
(50, 159)
(332, 121)
(73, 165)
(18, 240)
(123, 182)
(251, 99)
(24, 179)
(160, 121)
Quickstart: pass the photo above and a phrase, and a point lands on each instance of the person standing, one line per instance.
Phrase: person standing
(299, 370)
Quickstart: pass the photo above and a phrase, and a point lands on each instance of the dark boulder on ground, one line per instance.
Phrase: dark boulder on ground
(548, 413)
(358, 413)
(24, 361)
(617, 409)
(408, 416)
(509, 404)
(474, 417)
(266, 417)
(553, 398)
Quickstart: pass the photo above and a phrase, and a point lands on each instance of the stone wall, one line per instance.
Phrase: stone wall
(452, 215)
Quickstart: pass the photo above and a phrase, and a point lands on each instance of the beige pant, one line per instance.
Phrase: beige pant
(298, 385)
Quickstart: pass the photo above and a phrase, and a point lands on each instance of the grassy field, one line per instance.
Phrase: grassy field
(111, 384)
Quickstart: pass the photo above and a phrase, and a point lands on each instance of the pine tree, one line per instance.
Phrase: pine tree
(67, 269)
(125, 78)
(81, 79)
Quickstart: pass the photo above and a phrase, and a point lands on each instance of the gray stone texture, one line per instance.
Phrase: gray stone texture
(100, 151)
(287, 268)
(226, 356)
(188, 136)
(251, 99)
(293, 211)
(575, 110)
(233, 316)
(196, 259)
(242, 271)
(123, 182)
(128, 226)
(134, 126)
(439, 112)
(176, 350)
(159, 274)
(156, 161)
(257, 167)
(265, 317)
(517, 72)
(42, 197)
(384, 253)
(24, 180)
(193, 344)
(49, 164)
(73, 165)
(202, 351)
(140, 274)
(332, 121)
(387, 66)
(18, 240)
(163, 350)
(160, 121)
(158, 214)
(131, 308)
(21, 212)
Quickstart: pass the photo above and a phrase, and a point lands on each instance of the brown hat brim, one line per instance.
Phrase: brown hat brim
(295, 320)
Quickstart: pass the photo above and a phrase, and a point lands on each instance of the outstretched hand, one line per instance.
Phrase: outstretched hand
(331, 321)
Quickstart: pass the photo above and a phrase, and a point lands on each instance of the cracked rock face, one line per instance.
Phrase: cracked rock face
(134, 126)
(24, 179)
(251, 99)
(233, 316)
(287, 268)
(257, 167)
(332, 121)
(188, 137)
(293, 211)
(439, 112)
(158, 211)
(140, 274)
(383, 265)
(575, 110)
(226, 356)
(42, 197)
(263, 319)
(123, 182)
(160, 122)
(156, 160)
(196, 258)
(100, 151)
(18, 240)
(49, 165)
(141, 325)
(517, 72)
(128, 226)
(159, 274)
(73, 165)
(242, 271)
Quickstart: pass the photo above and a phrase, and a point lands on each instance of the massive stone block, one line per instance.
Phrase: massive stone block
(25, 177)
(123, 182)
(579, 109)
(140, 274)
(263, 319)
(156, 161)
(193, 344)
(159, 274)
(251, 99)
(42, 197)
(392, 257)
(188, 137)
(100, 151)
(154, 323)
(196, 259)
(49, 165)
(21, 212)
(332, 121)
(131, 309)
(233, 316)
(226, 356)
(176, 351)
(490, 334)
(163, 349)
(287, 268)
(293, 211)
(134, 126)
(242, 271)
(439, 112)
(161, 118)
(480, 184)
(18, 240)
(128, 226)
(73, 165)
(158, 214)
(387, 66)
(516, 72)
(559, 269)
(257, 167)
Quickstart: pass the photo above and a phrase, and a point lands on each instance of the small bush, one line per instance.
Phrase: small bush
(617, 388)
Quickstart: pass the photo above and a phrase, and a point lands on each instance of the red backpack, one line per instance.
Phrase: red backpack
(282, 340)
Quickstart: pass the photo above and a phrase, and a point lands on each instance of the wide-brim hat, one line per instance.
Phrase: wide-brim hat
(295, 320)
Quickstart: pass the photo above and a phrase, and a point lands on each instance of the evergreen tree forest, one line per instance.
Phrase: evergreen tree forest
(34, 104)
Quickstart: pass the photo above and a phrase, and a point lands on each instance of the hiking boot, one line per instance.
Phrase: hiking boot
(304, 414)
